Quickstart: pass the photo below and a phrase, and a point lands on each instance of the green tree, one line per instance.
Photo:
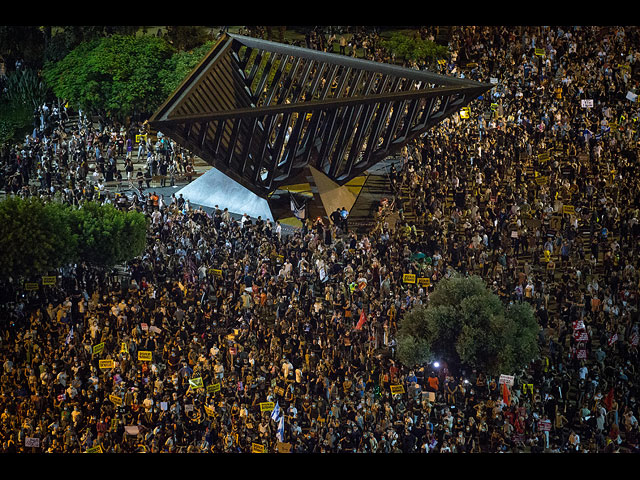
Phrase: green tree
(38, 237)
(413, 48)
(467, 325)
(35, 237)
(116, 74)
(186, 37)
(15, 121)
(108, 236)
(179, 66)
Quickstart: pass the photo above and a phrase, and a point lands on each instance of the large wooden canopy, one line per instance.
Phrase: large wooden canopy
(262, 111)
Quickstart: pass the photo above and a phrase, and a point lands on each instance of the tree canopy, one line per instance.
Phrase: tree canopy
(414, 48)
(116, 74)
(37, 237)
(467, 325)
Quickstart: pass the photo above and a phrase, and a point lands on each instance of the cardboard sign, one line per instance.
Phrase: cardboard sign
(106, 364)
(144, 356)
(284, 447)
(409, 278)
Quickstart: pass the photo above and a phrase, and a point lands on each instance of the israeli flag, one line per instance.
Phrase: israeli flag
(275, 414)
(280, 432)
(69, 336)
(300, 212)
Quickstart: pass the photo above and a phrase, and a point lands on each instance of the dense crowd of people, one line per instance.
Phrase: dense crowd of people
(226, 319)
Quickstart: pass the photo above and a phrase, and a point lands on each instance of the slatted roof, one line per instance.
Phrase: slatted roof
(261, 111)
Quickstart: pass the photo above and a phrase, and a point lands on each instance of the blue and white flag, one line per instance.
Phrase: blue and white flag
(280, 432)
(275, 414)
(300, 212)
(69, 336)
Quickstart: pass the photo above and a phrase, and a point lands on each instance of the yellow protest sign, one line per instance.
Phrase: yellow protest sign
(544, 157)
(213, 388)
(527, 386)
(144, 356)
(424, 281)
(542, 180)
(568, 209)
(106, 364)
(49, 280)
(267, 406)
(31, 286)
(397, 389)
(196, 383)
(539, 52)
(409, 278)
(257, 448)
(140, 138)
(209, 411)
(464, 113)
(123, 348)
(97, 449)
(116, 400)
(98, 349)
(216, 272)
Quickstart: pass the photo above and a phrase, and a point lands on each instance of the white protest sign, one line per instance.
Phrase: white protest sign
(31, 442)
(507, 379)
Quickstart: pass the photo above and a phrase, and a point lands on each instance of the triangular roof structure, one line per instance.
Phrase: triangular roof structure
(261, 111)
